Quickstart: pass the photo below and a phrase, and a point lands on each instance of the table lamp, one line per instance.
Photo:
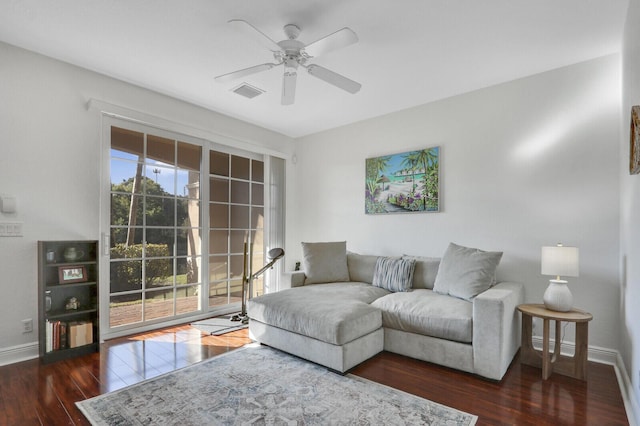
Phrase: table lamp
(559, 261)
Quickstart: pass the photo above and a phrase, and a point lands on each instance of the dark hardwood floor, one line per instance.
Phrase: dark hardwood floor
(35, 394)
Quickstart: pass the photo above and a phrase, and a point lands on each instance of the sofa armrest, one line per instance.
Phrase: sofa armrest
(496, 328)
(293, 279)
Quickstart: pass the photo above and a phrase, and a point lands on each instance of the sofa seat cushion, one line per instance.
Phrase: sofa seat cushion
(335, 313)
(428, 313)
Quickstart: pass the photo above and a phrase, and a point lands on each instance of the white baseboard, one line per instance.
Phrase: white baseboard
(611, 357)
(18, 353)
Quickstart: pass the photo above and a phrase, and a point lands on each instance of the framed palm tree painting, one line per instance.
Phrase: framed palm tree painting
(634, 141)
(407, 182)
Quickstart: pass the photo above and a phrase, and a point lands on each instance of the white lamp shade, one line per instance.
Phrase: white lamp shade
(560, 261)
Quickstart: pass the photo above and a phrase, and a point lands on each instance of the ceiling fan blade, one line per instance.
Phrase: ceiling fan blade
(244, 72)
(337, 40)
(336, 79)
(258, 36)
(289, 88)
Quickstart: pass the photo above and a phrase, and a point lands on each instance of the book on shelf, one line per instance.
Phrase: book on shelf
(63, 335)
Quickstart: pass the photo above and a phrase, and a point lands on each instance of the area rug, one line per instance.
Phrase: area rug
(219, 325)
(258, 385)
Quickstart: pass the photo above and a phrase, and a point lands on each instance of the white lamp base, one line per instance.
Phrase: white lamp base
(558, 297)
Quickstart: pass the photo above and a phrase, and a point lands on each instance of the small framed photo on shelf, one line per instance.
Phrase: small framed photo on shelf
(72, 274)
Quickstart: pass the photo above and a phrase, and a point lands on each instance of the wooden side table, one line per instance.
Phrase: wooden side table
(575, 366)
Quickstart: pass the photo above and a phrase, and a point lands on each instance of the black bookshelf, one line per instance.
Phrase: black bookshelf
(67, 299)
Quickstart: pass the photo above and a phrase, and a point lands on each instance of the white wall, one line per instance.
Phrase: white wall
(50, 161)
(524, 164)
(630, 206)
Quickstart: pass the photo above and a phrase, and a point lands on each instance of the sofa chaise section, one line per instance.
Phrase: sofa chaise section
(331, 324)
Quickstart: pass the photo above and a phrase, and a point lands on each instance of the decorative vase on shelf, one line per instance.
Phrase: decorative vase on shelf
(72, 254)
(558, 297)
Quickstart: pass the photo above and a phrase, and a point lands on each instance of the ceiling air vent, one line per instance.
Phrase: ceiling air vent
(247, 90)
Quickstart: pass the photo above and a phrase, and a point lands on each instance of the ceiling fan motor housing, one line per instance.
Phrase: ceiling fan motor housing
(291, 31)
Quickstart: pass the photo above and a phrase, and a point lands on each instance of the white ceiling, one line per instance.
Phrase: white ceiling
(410, 51)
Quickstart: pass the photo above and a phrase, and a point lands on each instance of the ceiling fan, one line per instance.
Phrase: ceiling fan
(292, 53)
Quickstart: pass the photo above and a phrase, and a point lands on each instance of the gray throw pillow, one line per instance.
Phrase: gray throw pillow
(325, 262)
(394, 273)
(426, 271)
(466, 272)
(361, 267)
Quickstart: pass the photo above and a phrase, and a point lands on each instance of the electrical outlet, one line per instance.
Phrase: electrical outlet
(27, 325)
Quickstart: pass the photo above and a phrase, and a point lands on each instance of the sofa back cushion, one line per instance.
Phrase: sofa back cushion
(325, 262)
(361, 267)
(394, 273)
(424, 276)
(466, 272)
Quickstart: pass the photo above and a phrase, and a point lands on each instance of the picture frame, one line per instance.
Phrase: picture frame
(406, 182)
(634, 141)
(72, 274)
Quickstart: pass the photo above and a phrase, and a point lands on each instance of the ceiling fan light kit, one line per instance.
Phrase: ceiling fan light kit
(292, 54)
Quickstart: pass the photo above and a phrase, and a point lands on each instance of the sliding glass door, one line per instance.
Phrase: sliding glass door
(236, 224)
(186, 222)
(155, 227)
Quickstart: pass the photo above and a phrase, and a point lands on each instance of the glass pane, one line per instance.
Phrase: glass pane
(159, 242)
(236, 266)
(219, 215)
(160, 211)
(257, 171)
(240, 217)
(239, 192)
(218, 294)
(258, 245)
(257, 218)
(218, 268)
(188, 213)
(158, 273)
(218, 163)
(188, 243)
(188, 270)
(219, 190)
(160, 180)
(236, 241)
(239, 167)
(123, 174)
(158, 304)
(125, 309)
(125, 275)
(188, 184)
(119, 249)
(120, 205)
(189, 156)
(126, 143)
(257, 194)
(187, 299)
(235, 290)
(161, 150)
(258, 242)
(218, 242)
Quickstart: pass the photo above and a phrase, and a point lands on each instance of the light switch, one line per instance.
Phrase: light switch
(11, 229)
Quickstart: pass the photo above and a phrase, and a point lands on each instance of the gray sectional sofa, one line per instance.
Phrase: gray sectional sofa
(345, 308)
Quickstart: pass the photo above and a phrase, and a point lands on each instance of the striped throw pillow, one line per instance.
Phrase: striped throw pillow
(394, 273)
